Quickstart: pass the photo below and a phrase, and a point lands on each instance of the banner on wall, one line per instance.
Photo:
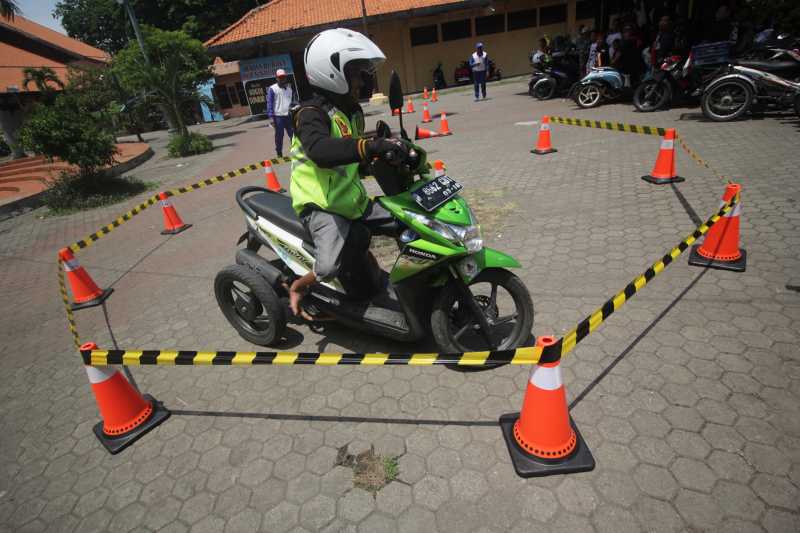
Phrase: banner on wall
(258, 74)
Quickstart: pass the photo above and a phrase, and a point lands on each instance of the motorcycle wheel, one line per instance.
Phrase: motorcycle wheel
(652, 95)
(510, 314)
(727, 101)
(589, 95)
(797, 104)
(250, 304)
(544, 89)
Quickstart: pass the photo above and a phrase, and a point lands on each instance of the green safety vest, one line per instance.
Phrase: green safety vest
(337, 190)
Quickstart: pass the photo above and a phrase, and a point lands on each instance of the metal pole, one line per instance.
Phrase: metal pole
(364, 17)
(136, 30)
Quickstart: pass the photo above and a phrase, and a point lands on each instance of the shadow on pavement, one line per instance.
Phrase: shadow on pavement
(223, 134)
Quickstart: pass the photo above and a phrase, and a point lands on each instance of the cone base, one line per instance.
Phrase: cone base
(695, 259)
(663, 181)
(177, 230)
(426, 121)
(543, 152)
(115, 445)
(93, 302)
(526, 465)
(279, 190)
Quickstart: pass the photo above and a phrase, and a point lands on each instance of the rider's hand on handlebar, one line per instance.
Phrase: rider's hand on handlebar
(393, 151)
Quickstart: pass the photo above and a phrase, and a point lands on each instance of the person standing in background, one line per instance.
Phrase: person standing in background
(280, 99)
(613, 35)
(479, 63)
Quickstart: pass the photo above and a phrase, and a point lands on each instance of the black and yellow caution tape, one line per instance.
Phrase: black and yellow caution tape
(520, 356)
(699, 160)
(607, 125)
(105, 230)
(73, 329)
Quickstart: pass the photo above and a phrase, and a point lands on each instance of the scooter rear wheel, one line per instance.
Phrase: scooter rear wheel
(510, 315)
(250, 304)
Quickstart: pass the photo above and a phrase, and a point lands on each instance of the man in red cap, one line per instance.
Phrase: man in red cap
(280, 98)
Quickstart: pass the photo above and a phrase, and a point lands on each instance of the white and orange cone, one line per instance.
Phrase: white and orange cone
(542, 439)
(444, 127)
(438, 168)
(663, 172)
(410, 106)
(543, 143)
(426, 114)
(434, 95)
(272, 180)
(172, 220)
(720, 248)
(424, 133)
(85, 292)
(126, 414)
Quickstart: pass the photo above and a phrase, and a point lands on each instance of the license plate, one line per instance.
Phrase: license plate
(436, 192)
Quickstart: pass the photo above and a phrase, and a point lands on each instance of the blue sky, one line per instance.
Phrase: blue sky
(40, 11)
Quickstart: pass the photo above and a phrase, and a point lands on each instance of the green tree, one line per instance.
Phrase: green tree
(44, 79)
(8, 8)
(104, 24)
(178, 66)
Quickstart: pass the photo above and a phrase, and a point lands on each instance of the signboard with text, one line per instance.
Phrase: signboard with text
(258, 74)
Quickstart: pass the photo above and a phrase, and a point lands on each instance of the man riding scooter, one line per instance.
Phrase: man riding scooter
(326, 153)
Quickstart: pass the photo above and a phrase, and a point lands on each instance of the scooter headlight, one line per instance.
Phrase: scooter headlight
(468, 236)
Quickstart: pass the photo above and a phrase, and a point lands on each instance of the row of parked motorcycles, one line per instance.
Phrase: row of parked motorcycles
(766, 77)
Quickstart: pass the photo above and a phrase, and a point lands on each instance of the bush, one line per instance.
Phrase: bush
(191, 144)
(5, 149)
(76, 192)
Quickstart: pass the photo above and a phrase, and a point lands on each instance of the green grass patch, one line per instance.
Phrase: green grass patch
(72, 193)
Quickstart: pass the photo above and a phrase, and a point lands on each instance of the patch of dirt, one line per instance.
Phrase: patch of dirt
(371, 471)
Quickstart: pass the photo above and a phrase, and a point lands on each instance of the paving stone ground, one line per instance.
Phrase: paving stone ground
(695, 427)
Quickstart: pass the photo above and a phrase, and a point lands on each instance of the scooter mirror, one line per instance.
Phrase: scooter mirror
(383, 130)
(395, 92)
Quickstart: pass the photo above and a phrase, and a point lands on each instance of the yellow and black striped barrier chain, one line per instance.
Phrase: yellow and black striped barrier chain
(699, 160)
(73, 329)
(105, 230)
(520, 356)
(607, 125)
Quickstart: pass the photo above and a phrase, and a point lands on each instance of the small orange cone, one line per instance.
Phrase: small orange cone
(410, 106)
(444, 127)
(663, 171)
(172, 220)
(543, 144)
(422, 133)
(126, 414)
(426, 114)
(542, 439)
(438, 168)
(85, 292)
(720, 249)
(272, 180)
(434, 95)
(425, 93)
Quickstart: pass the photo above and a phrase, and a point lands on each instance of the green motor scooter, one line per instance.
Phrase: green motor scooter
(444, 282)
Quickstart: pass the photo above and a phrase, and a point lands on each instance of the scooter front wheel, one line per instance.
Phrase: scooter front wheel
(500, 297)
(250, 304)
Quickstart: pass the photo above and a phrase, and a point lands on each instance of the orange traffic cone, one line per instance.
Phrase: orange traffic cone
(720, 248)
(543, 144)
(85, 292)
(409, 106)
(438, 168)
(444, 127)
(126, 414)
(422, 133)
(425, 93)
(542, 439)
(272, 180)
(172, 220)
(434, 95)
(426, 114)
(663, 171)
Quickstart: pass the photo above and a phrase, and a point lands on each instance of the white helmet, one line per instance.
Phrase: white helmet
(330, 51)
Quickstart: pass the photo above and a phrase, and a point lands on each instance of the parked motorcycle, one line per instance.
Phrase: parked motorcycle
(675, 79)
(554, 77)
(600, 85)
(438, 77)
(741, 88)
(444, 283)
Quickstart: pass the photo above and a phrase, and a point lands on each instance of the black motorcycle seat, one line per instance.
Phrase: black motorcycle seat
(277, 208)
(770, 66)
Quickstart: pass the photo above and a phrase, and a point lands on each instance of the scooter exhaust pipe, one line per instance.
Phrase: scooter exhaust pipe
(260, 266)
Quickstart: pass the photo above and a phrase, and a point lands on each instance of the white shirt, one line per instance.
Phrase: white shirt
(479, 62)
(283, 99)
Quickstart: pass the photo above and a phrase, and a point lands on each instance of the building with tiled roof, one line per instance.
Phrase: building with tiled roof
(415, 35)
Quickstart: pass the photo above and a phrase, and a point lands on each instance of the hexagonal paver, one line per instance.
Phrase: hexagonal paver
(356, 505)
(693, 474)
(431, 491)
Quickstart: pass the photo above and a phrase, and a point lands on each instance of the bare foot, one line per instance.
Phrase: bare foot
(295, 297)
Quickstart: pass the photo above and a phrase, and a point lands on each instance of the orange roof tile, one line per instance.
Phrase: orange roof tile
(14, 59)
(286, 15)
